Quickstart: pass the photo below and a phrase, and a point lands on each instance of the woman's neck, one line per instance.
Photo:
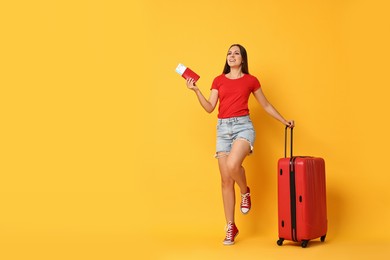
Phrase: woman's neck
(235, 73)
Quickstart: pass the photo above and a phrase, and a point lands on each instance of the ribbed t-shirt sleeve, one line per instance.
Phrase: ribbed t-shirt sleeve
(256, 84)
(216, 84)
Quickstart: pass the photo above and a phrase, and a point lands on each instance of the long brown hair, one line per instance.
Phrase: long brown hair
(244, 67)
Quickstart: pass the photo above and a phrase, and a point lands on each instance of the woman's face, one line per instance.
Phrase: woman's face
(234, 58)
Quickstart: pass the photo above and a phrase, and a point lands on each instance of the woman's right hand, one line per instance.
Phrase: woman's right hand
(191, 84)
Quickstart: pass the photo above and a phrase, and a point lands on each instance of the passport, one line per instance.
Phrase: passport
(186, 72)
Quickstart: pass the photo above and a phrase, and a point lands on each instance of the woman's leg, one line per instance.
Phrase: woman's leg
(239, 151)
(231, 170)
(227, 183)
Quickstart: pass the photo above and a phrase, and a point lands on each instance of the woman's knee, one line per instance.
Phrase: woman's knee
(233, 167)
(227, 182)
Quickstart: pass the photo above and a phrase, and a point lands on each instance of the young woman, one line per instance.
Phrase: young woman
(235, 132)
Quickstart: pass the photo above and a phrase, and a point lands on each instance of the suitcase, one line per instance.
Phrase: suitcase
(301, 197)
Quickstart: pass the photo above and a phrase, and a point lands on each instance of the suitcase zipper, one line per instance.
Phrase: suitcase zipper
(293, 205)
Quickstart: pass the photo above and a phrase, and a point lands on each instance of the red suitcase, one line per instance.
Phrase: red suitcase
(301, 198)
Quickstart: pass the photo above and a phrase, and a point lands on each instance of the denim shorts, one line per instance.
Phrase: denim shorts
(231, 129)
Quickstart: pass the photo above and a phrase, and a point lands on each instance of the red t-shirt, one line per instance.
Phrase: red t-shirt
(234, 94)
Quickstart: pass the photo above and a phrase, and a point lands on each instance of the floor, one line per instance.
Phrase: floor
(266, 248)
(171, 247)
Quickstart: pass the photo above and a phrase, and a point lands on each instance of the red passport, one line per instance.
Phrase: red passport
(186, 72)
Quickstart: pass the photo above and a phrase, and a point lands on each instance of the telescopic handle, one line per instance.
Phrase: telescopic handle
(285, 142)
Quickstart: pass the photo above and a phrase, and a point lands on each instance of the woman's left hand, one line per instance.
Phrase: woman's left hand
(290, 123)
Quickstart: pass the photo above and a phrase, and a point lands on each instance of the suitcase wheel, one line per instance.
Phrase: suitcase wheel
(323, 238)
(304, 243)
(280, 241)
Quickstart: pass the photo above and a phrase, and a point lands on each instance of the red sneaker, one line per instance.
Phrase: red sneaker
(245, 202)
(231, 233)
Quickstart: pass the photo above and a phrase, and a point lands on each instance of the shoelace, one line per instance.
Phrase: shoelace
(244, 199)
(229, 231)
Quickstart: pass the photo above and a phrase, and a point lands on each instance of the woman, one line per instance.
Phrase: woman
(235, 132)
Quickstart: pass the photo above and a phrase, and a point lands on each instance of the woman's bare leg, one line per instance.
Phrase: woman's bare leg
(228, 193)
(231, 170)
(240, 150)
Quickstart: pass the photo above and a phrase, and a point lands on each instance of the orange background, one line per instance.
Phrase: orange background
(106, 154)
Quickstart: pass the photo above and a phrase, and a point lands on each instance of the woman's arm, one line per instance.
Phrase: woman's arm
(260, 97)
(208, 105)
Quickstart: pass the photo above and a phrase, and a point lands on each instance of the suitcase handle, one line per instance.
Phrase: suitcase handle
(285, 142)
